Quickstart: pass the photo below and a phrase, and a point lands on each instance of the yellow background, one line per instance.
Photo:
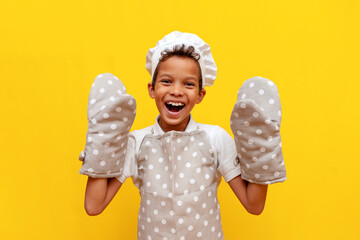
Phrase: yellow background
(50, 52)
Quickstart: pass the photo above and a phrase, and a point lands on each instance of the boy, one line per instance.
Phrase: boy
(177, 163)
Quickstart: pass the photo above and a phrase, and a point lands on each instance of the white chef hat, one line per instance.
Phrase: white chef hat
(206, 61)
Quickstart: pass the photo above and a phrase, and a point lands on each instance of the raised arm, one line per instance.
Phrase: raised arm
(99, 193)
(255, 123)
(251, 195)
(111, 112)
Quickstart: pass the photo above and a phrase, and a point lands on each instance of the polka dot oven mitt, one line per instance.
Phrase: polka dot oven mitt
(255, 123)
(111, 113)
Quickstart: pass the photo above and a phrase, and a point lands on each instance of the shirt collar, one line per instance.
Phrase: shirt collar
(190, 127)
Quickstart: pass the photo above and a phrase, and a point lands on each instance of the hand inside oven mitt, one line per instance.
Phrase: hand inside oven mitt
(255, 123)
(111, 112)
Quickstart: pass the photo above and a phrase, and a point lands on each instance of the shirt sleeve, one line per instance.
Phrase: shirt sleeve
(228, 164)
(129, 164)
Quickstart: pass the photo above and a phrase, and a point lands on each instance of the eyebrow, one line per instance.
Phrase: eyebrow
(169, 75)
(165, 75)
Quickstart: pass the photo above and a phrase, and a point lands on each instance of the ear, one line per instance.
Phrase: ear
(201, 96)
(151, 90)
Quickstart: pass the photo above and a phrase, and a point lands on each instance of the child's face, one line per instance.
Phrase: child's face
(176, 92)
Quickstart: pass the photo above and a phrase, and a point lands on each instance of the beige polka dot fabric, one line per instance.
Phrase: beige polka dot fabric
(255, 123)
(178, 185)
(111, 113)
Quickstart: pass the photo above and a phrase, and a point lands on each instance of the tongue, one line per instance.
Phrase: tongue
(174, 108)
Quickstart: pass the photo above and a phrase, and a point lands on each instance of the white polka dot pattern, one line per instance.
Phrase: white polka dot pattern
(185, 205)
(255, 123)
(111, 113)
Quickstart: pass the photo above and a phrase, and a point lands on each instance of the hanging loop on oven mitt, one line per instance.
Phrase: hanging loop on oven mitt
(111, 112)
(255, 123)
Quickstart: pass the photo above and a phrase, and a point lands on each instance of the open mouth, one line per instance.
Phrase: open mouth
(174, 107)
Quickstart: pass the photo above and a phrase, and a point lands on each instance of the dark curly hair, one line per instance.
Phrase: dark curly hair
(181, 51)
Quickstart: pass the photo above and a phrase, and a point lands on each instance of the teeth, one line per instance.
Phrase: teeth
(175, 104)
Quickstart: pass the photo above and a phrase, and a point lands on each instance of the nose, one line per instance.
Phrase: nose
(177, 90)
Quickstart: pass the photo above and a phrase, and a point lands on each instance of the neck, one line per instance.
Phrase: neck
(178, 127)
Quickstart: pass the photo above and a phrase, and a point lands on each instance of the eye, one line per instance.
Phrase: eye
(165, 81)
(190, 84)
